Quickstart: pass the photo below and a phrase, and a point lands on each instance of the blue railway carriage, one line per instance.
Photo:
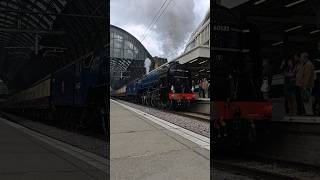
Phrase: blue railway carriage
(71, 97)
(132, 90)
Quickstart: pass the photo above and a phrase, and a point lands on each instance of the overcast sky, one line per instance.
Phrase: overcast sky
(168, 36)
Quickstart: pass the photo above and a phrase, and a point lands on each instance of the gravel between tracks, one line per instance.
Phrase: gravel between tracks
(199, 127)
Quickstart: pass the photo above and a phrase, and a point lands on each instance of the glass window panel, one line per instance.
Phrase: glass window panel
(111, 43)
(128, 54)
(128, 45)
(118, 43)
(118, 36)
(111, 52)
(118, 53)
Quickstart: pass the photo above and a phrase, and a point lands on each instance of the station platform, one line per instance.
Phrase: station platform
(143, 149)
(279, 114)
(28, 155)
(201, 106)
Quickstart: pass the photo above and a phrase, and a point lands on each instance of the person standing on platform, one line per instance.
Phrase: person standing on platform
(305, 78)
(192, 86)
(316, 95)
(201, 90)
(209, 89)
(205, 88)
(267, 78)
(197, 88)
(289, 72)
(298, 86)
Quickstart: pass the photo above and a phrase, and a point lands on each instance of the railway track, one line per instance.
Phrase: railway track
(193, 115)
(260, 167)
(249, 171)
(197, 123)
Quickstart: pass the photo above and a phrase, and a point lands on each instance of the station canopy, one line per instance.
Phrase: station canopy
(286, 27)
(39, 36)
(127, 58)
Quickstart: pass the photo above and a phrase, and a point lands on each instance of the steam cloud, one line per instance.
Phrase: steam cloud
(172, 29)
(147, 64)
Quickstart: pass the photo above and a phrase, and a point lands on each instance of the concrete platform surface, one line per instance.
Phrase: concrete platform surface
(25, 157)
(141, 150)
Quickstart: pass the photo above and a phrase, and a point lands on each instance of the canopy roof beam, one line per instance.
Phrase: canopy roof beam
(35, 31)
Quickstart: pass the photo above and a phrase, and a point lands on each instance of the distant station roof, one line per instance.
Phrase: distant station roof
(285, 27)
(39, 36)
(127, 57)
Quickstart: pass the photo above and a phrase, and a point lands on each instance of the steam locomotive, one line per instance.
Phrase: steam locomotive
(238, 109)
(169, 86)
(73, 97)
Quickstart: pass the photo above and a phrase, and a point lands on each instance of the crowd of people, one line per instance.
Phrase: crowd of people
(202, 87)
(300, 88)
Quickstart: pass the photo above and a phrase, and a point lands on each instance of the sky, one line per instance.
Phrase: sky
(166, 38)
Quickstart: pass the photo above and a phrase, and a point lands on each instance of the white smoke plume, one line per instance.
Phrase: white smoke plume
(171, 30)
(147, 64)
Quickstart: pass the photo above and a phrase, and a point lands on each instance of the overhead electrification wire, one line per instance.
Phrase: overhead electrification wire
(157, 18)
(154, 17)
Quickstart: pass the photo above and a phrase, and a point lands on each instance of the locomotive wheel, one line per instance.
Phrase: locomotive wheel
(154, 103)
(184, 105)
(151, 100)
(147, 101)
(172, 104)
(143, 99)
(188, 104)
(158, 104)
